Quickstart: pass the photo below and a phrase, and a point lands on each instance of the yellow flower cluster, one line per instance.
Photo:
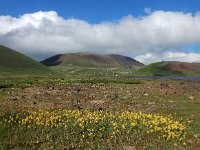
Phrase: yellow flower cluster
(100, 124)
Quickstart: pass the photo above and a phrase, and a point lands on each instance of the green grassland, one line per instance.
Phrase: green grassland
(78, 72)
(81, 89)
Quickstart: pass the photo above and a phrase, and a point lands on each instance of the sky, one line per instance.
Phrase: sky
(146, 30)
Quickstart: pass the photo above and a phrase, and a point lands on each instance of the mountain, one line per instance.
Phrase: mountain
(12, 61)
(167, 68)
(92, 60)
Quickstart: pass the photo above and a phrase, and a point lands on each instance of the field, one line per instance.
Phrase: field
(98, 109)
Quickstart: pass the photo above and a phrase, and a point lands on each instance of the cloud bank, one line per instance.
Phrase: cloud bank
(148, 38)
(168, 56)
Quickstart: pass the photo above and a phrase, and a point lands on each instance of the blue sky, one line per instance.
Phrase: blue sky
(95, 11)
(148, 30)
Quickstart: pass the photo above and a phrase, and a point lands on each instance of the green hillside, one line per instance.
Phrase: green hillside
(167, 68)
(16, 63)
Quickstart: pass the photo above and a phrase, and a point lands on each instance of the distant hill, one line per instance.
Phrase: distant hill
(92, 60)
(15, 62)
(167, 68)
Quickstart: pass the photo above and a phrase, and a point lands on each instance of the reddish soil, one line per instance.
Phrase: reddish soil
(109, 60)
(179, 67)
(96, 58)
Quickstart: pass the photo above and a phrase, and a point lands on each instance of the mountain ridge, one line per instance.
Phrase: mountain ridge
(85, 59)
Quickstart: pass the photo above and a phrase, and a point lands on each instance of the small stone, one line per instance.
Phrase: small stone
(164, 85)
(191, 97)
(197, 136)
(171, 101)
(15, 98)
(151, 103)
(130, 148)
(38, 93)
(190, 142)
(100, 109)
(59, 98)
(146, 94)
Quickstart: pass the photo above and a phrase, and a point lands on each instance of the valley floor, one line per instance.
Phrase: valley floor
(178, 98)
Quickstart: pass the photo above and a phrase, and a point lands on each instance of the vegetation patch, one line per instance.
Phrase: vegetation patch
(107, 81)
(66, 129)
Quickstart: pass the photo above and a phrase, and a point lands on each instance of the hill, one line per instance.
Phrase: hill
(167, 68)
(13, 62)
(92, 60)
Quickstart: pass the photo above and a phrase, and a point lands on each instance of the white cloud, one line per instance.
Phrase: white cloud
(43, 34)
(147, 10)
(168, 56)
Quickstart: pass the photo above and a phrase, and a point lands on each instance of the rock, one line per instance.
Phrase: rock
(97, 102)
(151, 108)
(100, 109)
(171, 101)
(114, 96)
(164, 85)
(191, 97)
(130, 148)
(78, 101)
(59, 98)
(38, 93)
(48, 93)
(146, 94)
(151, 103)
(197, 136)
(190, 142)
(77, 89)
(138, 105)
(23, 96)
(78, 106)
(15, 98)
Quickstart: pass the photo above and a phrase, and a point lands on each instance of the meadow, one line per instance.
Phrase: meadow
(98, 109)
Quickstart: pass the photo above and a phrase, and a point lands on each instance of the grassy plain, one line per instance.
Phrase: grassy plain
(100, 92)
